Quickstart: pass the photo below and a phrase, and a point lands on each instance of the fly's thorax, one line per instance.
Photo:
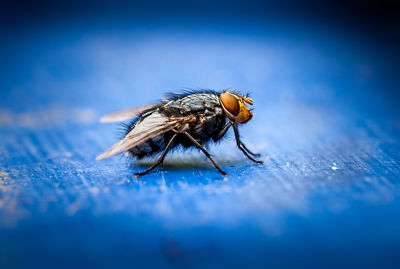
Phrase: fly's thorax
(203, 103)
(235, 108)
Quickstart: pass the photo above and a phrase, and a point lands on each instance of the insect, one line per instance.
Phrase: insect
(190, 119)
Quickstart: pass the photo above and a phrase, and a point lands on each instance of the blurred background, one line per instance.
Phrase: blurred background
(325, 80)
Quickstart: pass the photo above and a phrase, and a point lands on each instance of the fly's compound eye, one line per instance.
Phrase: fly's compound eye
(231, 103)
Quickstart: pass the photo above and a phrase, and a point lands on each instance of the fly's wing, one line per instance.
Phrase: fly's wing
(125, 114)
(151, 126)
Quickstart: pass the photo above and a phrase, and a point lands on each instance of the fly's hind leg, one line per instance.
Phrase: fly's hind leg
(160, 160)
(197, 144)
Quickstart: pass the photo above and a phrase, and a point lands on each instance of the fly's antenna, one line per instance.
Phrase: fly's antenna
(248, 100)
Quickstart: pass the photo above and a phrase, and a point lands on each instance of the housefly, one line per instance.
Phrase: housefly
(190, 119)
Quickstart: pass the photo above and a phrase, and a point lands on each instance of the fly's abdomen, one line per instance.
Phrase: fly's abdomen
(149, 147)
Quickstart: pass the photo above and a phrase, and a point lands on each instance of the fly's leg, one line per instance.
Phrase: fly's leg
(242, 147)
(160, 160)
(223, 132)
(249, 151)
(197, 144)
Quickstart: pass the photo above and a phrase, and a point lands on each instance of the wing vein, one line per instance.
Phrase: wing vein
(151, 126)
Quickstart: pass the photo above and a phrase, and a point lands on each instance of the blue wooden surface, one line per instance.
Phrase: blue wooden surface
(326, 120)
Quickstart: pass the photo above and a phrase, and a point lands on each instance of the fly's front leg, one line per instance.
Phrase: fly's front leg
(242, 147)
(222, 132)
(160, 160)
(248, 151)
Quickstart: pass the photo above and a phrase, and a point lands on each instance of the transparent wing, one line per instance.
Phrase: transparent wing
(151, 126)
(125, 114)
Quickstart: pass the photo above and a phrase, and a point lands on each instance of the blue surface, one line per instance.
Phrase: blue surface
(326, 120)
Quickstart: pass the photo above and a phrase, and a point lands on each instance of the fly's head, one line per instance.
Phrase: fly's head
(235, 108)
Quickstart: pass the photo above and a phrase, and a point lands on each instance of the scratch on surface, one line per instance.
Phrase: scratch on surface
(50, 116)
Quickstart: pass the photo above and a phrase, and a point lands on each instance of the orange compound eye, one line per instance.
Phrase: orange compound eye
(230, 103)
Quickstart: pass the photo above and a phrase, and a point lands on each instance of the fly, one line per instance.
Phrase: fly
(190, 120)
